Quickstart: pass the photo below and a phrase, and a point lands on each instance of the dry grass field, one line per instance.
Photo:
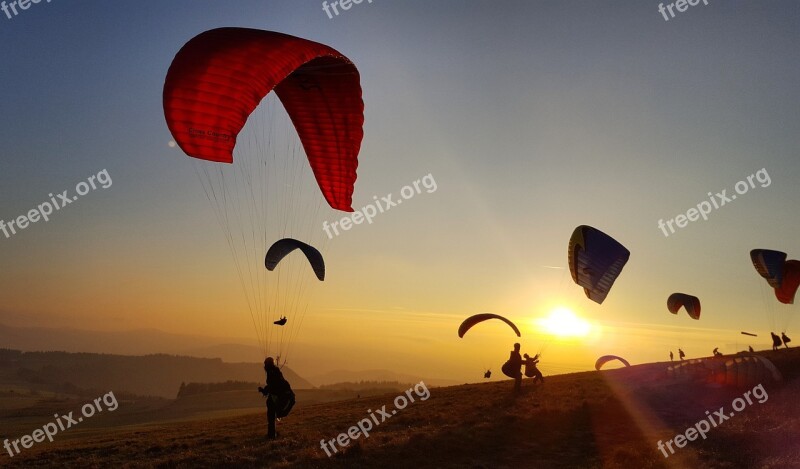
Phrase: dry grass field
(609, 419)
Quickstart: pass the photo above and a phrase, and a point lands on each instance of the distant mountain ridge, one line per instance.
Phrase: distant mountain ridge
(152, 341)
(148, 375)
(136, 342)
(339, 376)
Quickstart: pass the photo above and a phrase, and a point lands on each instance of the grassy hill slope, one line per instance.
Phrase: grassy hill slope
(608, 419)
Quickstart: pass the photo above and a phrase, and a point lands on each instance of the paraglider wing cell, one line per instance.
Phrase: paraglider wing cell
(472, 320)
(595, 261)
(282, 248)
(219, 77)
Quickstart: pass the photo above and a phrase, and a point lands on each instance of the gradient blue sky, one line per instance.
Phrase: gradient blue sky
(533, 117)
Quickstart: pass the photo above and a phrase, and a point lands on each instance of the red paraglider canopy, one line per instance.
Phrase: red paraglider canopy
(791, 280)
(219, 77)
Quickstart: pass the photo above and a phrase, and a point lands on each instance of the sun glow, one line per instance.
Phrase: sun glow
(563, 322)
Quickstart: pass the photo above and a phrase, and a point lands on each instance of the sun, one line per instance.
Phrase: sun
(563, 322)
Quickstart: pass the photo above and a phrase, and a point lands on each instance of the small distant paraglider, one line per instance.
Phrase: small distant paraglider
(478, 318)
(595, 261)
(749, 333)
(284, 247)
(607, 358)
(281, 321)
(676, 301)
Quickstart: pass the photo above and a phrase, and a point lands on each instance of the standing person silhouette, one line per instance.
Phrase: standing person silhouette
(785, 339)
(512, 367)
(681, 355)
(671, 357)
(776, 341)
(275, 389)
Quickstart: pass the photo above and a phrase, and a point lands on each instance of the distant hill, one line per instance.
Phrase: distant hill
(340, 376)
(152, 341)
(149, 375)
(137, 342)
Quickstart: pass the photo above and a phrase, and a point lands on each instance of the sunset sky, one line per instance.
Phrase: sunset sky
(533, 118)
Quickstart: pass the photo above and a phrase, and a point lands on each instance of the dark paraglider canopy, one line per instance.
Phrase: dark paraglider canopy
(595, 261)
(769, 265)
(285, 246)
(472, 320)
(676, 301)
(607, 358)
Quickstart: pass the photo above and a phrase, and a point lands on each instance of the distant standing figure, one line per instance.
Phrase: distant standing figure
(511, 368)
(751, 348)
(785, 339)
(776, 341)
(671, 357)
(681, 355)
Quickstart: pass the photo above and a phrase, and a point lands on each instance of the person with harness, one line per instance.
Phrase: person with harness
(776, 341)
(530, 368)
(280, 398)
(511, 368)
